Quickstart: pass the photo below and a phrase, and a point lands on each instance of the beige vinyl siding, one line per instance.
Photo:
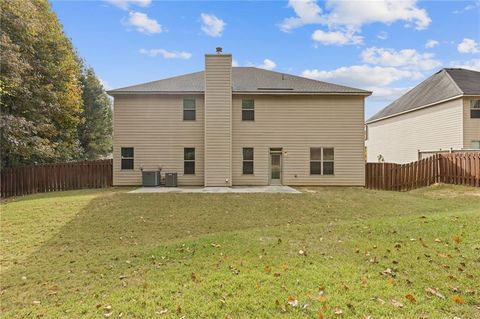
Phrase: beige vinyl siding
(297, 123)
(471, 127)
(399, 138)
(153, 125)
(218, 120)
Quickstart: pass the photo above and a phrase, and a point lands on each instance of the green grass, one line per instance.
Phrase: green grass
(95, 252)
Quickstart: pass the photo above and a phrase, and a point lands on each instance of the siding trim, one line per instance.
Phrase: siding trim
(418, 108)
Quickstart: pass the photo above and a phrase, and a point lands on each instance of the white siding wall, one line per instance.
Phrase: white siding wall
(154, 126)
(297, 123)
(400, 137)
(218, 120)
(471, 127)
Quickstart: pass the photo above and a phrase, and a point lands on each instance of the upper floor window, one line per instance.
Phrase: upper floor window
(189, 109)
(248, 110)
(475, 109)
(189, 160)
(247, 161)
(127, 158)
(322, 161)
(476, 145)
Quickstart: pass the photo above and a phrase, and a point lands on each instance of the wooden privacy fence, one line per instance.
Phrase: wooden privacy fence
(454, 168)
(24, 180)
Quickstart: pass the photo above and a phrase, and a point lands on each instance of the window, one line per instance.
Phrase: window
(248, 110)
(327, 163)
(475, 109)
(189, 161)
(127, 158)
(322, 161)
(189, 109)
(476, 145)
(316, 161)
(247, 161)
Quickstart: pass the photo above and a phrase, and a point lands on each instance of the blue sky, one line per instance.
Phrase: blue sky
(387, 46)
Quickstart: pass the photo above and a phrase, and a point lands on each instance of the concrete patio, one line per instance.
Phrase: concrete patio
(218, 190)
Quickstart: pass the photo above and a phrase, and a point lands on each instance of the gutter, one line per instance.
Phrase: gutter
(113, 93)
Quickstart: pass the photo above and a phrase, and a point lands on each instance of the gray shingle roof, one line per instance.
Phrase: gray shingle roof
(444, 84)
(244, 79)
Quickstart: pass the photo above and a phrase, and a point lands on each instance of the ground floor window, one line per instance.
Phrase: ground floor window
(189, 161)
(247, 161)
(322, 161)
(476, 145)
(127, 158)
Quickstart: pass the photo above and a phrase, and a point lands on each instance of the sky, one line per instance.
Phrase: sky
(385, 46)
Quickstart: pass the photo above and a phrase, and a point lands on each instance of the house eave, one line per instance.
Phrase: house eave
(279, 92)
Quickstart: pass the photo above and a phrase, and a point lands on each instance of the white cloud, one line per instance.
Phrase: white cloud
(307, 11)
(267, 65)
(468, 46)
(166, 54)
(469, 7)
(362, 76)
(142, 23)
(408, 58)
(431, 44)
(473, 64)
(125, 4)
(357, 13)
(336, 37)
(382, 35)
(354, 14)
(212, 25)
(235, 63)
(386, 93)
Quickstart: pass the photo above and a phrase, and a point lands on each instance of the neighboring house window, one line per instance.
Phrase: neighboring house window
(127, 158)
(189, 109)
(476, 145)
(189, 160)
(247, 160)
(248, 110)
(322, 161)
(475, 109)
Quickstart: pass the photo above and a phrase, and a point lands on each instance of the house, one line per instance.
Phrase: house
(239, 126)
(441, 113)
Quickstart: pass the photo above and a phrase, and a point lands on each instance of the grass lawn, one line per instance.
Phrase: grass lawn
(325, 253)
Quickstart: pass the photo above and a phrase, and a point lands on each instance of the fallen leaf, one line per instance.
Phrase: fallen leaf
(267, 269)
(457, 239)
(458, 299)
(389, 272)
(277, 274)
(292, 302)
(108, 314)
(302, 253)
(410, 297)
(338, 311)
(434, 292)
(161, 312)
(396, 303)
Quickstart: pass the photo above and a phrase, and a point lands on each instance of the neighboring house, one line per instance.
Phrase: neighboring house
(441, 113)
(240, 126)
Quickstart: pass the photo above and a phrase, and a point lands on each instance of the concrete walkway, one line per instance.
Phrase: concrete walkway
(219, 190)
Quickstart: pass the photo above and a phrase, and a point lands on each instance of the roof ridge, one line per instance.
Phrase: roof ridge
(453, 81)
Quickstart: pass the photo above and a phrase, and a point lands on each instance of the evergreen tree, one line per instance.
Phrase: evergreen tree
(95, 133)
(40, 91)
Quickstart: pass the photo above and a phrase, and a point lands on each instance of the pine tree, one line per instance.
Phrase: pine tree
(95, 133)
